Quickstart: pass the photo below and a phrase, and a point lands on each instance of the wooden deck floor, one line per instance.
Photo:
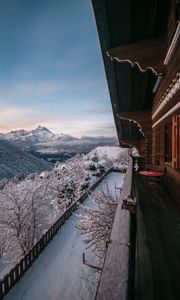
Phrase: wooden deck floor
(157, 271)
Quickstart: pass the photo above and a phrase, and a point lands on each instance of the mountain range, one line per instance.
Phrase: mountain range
(43, 143)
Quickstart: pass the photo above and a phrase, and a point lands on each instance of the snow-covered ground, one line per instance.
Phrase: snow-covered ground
(59, 273)
(113, 153)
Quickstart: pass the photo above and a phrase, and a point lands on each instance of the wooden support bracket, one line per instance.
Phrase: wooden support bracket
(141, 118)
(129, 204)
(144, 122)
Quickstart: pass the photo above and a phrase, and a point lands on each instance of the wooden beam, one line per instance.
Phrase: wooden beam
(142, 118)
(135, 115)
(147, 54)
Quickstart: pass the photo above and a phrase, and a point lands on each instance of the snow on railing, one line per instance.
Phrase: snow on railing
(114, 278)
(24, 264)
(127, 184)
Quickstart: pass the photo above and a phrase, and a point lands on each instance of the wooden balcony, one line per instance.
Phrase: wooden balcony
(114, 281)
(143, 261)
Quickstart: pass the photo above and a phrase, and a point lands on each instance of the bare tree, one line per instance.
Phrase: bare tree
(96, 223)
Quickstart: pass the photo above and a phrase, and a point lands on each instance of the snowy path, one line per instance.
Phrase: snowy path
(58, 273)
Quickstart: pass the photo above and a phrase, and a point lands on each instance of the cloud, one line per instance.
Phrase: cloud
(14, 113)
(94, 128)
(14, 119)
(26, 89)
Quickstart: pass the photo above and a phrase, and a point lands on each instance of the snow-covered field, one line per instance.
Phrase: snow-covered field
(59, 272)
(113, 153)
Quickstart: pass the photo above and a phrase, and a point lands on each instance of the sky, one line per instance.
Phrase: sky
(51, 69)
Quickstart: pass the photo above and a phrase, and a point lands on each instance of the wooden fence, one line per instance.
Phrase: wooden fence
(24, 264)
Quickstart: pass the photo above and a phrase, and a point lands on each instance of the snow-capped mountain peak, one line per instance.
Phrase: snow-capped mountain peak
(29, 139)
(41, 140)
(41, 128)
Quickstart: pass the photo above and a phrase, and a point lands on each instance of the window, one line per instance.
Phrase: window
(168, 142)
(176, 142)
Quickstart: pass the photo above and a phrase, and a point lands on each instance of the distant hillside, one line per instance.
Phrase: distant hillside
(14, 161)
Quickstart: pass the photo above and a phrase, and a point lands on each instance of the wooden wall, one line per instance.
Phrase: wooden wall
(166, 108)
(162, 143)
(172, 182)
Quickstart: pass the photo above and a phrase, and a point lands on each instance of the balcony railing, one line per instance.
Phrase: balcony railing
(114, 279)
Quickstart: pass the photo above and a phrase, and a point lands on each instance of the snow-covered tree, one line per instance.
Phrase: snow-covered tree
(96, 223)
(29, 206)
(4, 246)
(62, 192)
(24, 213)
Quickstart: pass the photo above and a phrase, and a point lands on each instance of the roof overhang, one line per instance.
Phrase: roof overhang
(132, 35)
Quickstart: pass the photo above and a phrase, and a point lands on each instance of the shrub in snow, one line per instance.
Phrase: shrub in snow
(122, 166)
(44, 174)
(90, 165)
(85, 185)
(94, 156)
(63, 192)
(95, 168)
(96, 224)
(102, 166)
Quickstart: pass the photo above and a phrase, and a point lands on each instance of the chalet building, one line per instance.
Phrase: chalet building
(140, 43)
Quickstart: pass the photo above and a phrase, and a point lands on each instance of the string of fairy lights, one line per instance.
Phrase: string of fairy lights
(169, 93)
